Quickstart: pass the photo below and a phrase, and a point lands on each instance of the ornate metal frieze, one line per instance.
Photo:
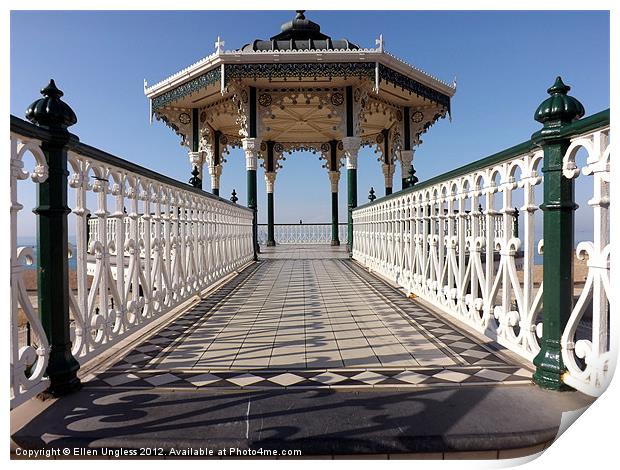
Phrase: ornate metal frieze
(292, 71)
(408, 83)
(174, 119)
(208, 78)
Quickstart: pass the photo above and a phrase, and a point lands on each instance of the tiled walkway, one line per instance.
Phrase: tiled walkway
(310, 317)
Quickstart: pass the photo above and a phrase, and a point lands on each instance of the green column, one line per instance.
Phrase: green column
(270, 180)
(334, 179)
(252, 205)
(52, 233)
(558, 225)
(351, 145)
(271, 241)
(352, 203)
(335, 234)
(195, 148)
(251, 146)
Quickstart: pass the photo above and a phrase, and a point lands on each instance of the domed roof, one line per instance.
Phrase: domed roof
(299, 34)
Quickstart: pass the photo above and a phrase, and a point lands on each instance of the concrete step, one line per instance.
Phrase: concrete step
(434, 421)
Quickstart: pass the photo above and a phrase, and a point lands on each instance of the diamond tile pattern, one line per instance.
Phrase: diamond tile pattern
(310, 318)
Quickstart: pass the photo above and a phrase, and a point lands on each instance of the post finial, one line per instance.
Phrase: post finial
(559, 108)
(300, 15)
(234, 197)
(50, 111)
(371, 194)
(195, 181)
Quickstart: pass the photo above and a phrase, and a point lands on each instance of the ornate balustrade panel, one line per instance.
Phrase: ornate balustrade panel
(587, 356)
(302, 234)
(28, 358)
(453, 243)
(149, 245)
(478, 265)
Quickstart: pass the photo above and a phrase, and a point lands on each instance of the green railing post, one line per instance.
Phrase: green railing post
(559, 205)
(52, 113)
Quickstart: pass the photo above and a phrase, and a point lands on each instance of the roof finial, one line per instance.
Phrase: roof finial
(219, 46)
(300, 15)
(379, 42)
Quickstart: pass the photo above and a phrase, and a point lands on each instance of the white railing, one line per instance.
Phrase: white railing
(29, 361)
(302, 234)
(177, 242)
(421, 240)
(588, 357)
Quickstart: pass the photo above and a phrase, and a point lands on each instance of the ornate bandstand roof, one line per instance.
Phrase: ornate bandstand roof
(297, 35)
(301, 84)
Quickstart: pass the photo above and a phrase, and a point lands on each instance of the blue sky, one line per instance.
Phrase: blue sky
(503, 61)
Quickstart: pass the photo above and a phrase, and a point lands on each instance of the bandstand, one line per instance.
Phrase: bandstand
(144, 318)
(300, 90)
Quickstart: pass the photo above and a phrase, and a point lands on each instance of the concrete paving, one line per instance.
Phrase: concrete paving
(316, 422)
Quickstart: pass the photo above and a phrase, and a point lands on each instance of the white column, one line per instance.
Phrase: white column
(251, 146)
(334, 179)
(215, 171)
(351, 147)
(388, 174)
(270, 179)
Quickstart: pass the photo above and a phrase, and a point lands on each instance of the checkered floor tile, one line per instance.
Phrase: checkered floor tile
(310, 320)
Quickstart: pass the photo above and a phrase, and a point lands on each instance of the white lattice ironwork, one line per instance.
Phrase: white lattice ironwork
(173, 244)
(453, 244)
(302, 234)
(588, 357)
(431, 242)
(28, 361)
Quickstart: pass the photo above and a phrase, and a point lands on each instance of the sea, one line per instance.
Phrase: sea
(32, 243)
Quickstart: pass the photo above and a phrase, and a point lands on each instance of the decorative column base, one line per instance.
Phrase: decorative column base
(62, 370)
(550, 368)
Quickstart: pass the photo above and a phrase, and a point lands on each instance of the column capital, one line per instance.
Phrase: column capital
(351, 147)
(196, 158)
(251, 146)
(388, 174)
(334, 179)
(215, 171)
(406, 157)
(270, 180)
